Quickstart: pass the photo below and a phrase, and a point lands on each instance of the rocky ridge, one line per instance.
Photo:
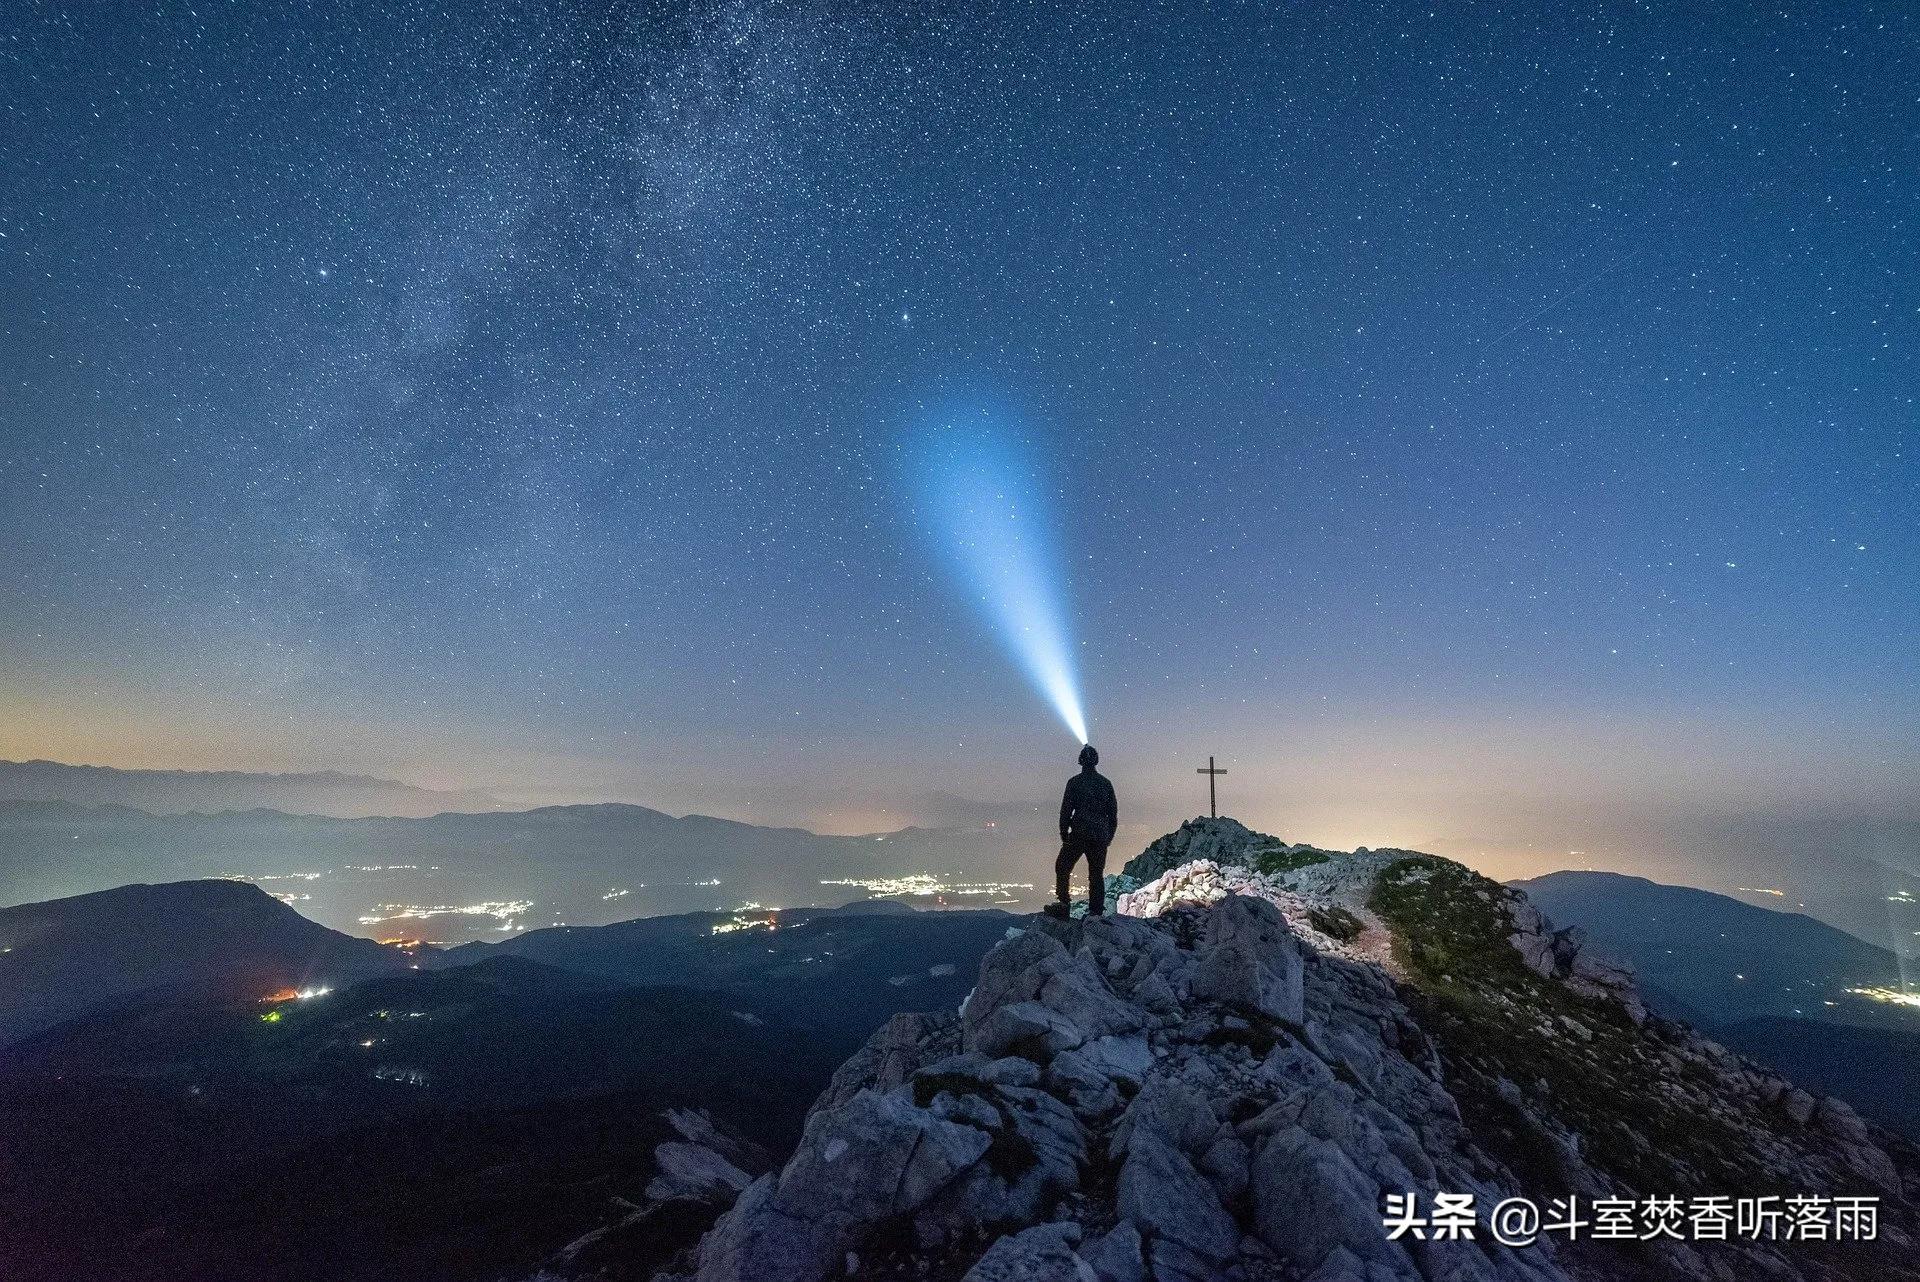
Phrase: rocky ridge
(1225, 1079)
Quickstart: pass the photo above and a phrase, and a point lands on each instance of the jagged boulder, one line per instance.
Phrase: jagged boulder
(1029, 1029)
(1036, 998)
(1568, 956)
(1082, 1083)
(900, 1045)
(1218, 840)
(1249, 958)
(1310, 1201)
(693, 1170)
(870, 1160)
(1117, 1256)
(1187, 1231)
(696, 1178)
(1043, 1253)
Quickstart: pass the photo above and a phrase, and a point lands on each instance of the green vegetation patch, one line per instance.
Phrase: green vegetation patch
(1450, 925)
(1335, 922)
(1280, 859)
(1580, 1060)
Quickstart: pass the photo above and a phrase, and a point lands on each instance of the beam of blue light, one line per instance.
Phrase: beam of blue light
(980, 496)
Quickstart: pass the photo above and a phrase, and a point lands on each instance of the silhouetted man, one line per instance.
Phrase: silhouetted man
(1089, 814)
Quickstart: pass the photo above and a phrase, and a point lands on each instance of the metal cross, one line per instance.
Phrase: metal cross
(1213, 804)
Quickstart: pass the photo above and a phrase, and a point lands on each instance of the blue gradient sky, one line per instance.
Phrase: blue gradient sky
(1491, 423)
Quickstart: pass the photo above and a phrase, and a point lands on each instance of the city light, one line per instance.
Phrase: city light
(739, 923)
(922, 883)
(504, 910)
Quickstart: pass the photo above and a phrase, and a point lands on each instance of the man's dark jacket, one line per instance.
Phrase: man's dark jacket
(1089, 812)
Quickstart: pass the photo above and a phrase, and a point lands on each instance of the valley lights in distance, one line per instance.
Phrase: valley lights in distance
(981, 498)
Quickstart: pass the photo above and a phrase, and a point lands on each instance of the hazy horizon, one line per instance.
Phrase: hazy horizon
(1676, 842)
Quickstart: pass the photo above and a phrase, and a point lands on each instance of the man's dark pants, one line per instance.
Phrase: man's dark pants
(1072, 850)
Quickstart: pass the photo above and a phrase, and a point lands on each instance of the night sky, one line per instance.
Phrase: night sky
(1474, 424)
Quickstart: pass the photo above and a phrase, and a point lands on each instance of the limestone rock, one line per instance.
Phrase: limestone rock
(1309, 1199)
(871, 1159)
(1116, 1257)
(1163, 1196)
(1056, 1000)
(1250, 959)
(1040, 1254)
(1122, 1059)
(1028, 1029)
(900, 1046)
(1076, 1079)
(1218, 840)
(694, 1170)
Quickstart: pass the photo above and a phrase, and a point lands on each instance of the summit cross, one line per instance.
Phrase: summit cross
(1213, 803)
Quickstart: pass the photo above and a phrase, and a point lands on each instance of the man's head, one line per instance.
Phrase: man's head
(1088, 757)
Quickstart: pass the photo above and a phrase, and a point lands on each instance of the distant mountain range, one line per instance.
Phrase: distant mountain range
(1711, 957)
(378, 846)
(1868, 898)
(1862, 876)
(174, 792)
(839, 972)
(180, 942)
(454, 877)
(1770, 984)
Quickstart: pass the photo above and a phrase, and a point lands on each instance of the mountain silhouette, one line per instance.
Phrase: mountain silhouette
(193, 940)
(591, 864)
(1715, 958)
(167, 792)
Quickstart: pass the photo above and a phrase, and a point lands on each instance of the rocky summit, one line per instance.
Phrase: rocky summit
(1229, 1077)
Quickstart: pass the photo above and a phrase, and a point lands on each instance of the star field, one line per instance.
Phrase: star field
(1446, 405)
